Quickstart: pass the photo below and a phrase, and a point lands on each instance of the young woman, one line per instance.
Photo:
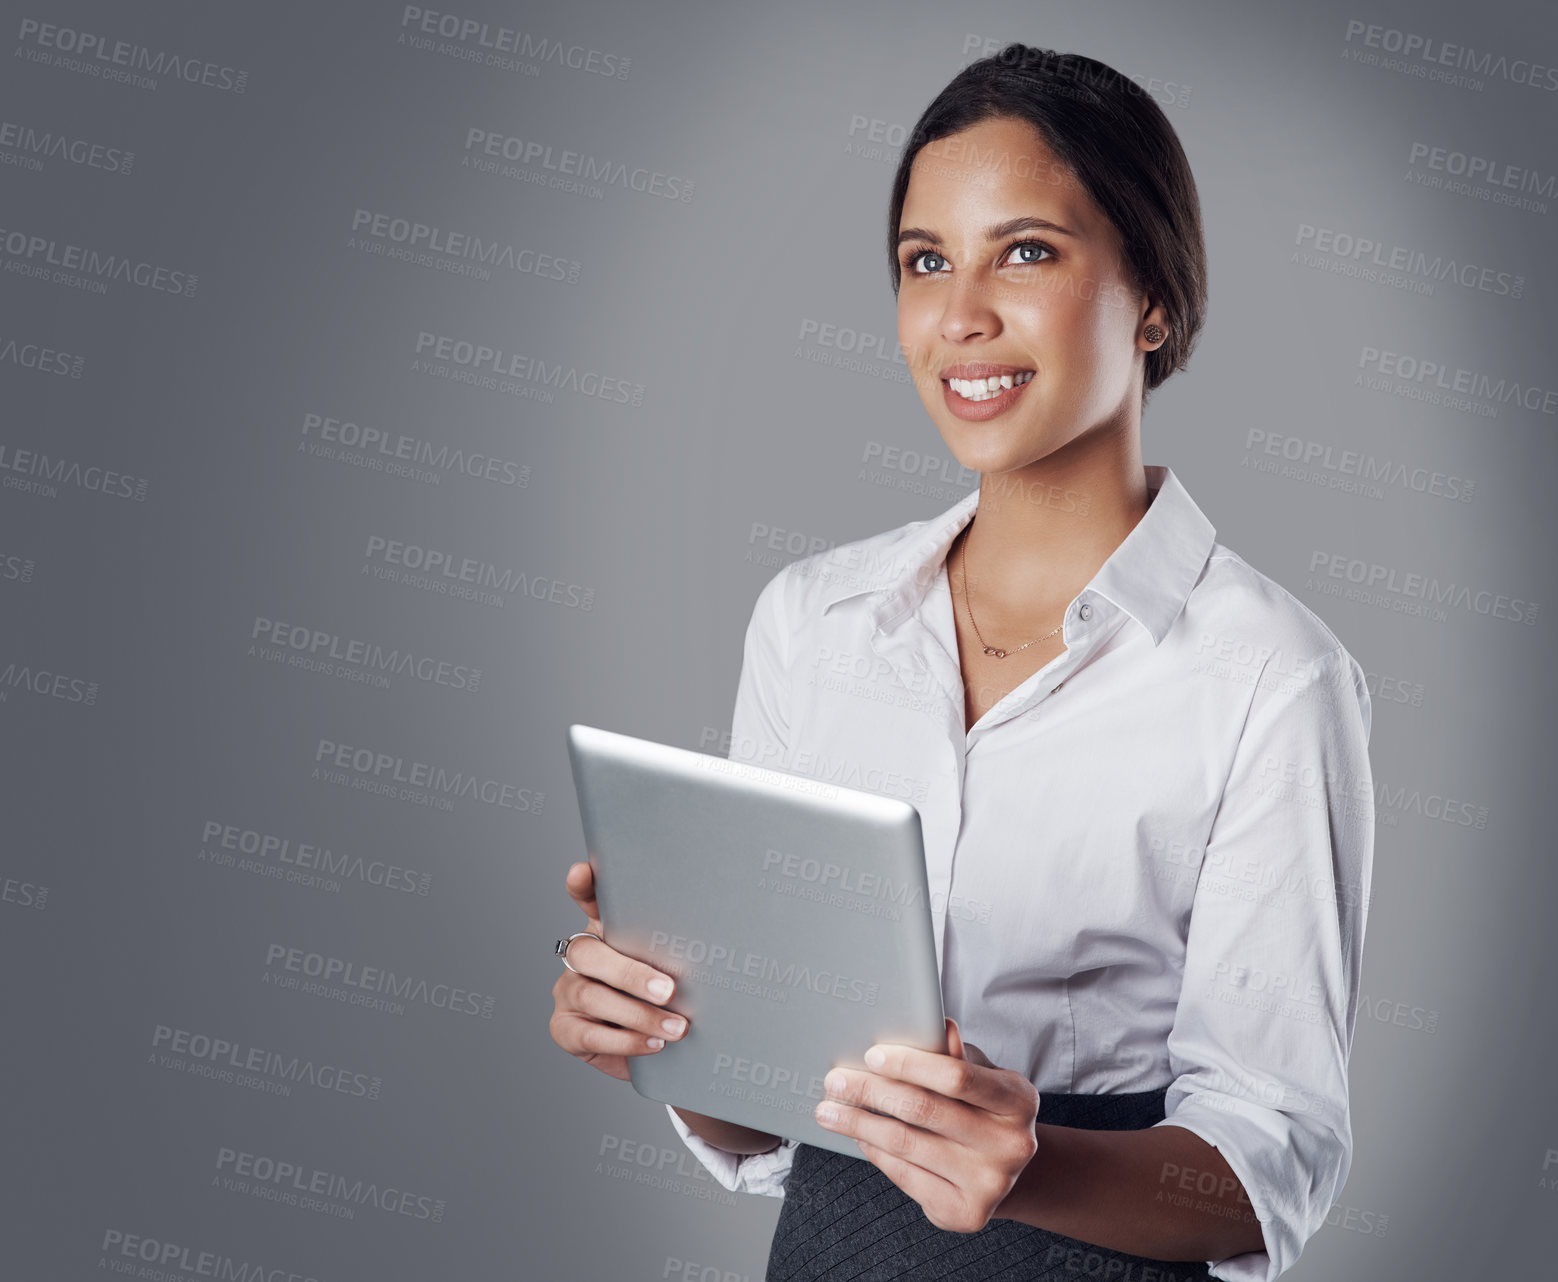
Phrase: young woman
(1141, 765)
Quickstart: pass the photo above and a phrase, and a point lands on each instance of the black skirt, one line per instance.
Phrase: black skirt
(842, 1220)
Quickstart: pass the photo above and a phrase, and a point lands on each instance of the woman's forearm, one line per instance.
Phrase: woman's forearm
(1163, 1193)
(727, 1135)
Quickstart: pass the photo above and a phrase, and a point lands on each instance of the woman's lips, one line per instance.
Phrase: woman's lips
(979, 411)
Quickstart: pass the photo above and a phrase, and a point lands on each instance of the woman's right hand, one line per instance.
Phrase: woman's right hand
(609, 1010)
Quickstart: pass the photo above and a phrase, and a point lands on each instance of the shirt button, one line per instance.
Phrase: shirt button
(1084, 612)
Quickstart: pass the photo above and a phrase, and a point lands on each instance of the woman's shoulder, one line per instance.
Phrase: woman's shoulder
(805, 587)
(1236, 611)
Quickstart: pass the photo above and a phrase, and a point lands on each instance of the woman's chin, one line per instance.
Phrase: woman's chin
(990, 455)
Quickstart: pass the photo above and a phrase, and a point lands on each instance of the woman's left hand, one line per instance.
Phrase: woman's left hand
(957, 1130)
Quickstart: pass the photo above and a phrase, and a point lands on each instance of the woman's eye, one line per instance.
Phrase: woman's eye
(929, 261)
(1028, 252)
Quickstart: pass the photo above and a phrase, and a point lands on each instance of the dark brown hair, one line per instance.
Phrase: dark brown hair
(1123, 151)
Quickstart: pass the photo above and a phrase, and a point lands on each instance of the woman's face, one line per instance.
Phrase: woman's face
(1010, 268)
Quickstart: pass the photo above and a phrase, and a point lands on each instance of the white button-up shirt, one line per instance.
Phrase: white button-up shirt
(1149, 862)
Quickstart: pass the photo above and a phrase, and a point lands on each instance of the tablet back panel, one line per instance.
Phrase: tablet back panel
(794, 915)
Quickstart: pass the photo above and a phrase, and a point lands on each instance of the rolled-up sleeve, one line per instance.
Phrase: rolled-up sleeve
(759, 735)
(1264, 1025)
(762, 1173)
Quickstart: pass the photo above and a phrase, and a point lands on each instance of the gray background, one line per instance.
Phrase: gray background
(134, 712)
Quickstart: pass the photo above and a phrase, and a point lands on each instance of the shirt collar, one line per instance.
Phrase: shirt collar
(1149, 575)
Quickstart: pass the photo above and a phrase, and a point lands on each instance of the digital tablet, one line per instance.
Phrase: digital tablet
(794, 915)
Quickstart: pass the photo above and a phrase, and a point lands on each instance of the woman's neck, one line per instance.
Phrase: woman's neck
(1042, 532)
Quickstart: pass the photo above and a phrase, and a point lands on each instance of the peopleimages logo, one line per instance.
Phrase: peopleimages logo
(374, 979)
(294, 1181)
(439, 571)
(644, 1163)
(28, 146)
(168, 1258)
(16, 569)
(24, 894)
(49, 684)
(254, 1067)
(303, 644)
(572, 171)
(1427, 57)
(1372, 580)
(394, 776)
(1347, 253)
(36, 356)
(87, 268)
(420, 241)
(738, 963)
(1351, 471)
(1498, 176)
(500, 41)
(849, 881)
(1452, 382)
(120, 59)
(52, 472)
(382, 771)
(758, 1082)
(402, 455)
(228, 843)
(483, 366)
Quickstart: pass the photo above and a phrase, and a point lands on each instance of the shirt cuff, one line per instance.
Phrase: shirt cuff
(762, 1173)
(1224, 1133)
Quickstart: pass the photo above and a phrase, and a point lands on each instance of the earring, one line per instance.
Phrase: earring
(1153, 334)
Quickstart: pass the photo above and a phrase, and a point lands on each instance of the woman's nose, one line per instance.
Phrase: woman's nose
(968, 312)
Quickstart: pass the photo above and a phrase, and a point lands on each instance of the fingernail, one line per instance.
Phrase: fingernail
(827, 1113)
(834, 1083)
(875, 1057)
(674, 1025)
(660, 987)
(655, 1043)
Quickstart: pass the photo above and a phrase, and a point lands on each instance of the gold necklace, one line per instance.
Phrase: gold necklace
(990, 649)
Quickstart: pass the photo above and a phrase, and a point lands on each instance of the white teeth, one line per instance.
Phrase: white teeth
(983, 389)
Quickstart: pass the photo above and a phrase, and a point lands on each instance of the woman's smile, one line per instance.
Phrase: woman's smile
(977, 391)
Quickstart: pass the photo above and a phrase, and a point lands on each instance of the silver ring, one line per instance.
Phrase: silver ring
(562, 946)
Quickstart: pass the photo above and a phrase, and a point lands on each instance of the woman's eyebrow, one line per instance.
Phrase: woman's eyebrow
(999, 232)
